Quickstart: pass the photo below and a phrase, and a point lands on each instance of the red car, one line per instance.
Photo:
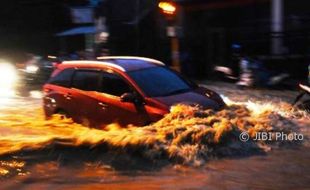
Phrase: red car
(127, 90)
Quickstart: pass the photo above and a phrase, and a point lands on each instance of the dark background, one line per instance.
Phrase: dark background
(208, 30)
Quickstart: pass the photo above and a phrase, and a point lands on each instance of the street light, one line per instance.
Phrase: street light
(169, 9)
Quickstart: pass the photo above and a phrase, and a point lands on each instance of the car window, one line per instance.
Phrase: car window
(113, 84)
(86, 80)
(63, 78)
(160, 81)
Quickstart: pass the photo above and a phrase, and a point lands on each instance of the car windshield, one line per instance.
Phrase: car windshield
(160, 81)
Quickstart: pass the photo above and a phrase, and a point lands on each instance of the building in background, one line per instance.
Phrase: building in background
(79, 38)
(30, 26)
(275, 31)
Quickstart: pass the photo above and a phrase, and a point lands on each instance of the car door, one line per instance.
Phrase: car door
(57, 90)
(84, 104)
(110, 108)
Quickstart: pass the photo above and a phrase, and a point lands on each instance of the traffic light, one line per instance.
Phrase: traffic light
(168, 8)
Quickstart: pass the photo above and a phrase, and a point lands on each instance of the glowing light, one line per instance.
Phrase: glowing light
(223, 69)
(3, 172)
(8, 76)
(36, 94)
(306, 88)
(52, 57)
(6, 93)
(167, 7)
(32, 69)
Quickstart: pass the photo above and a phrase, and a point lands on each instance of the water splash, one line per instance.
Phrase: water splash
(188, 135)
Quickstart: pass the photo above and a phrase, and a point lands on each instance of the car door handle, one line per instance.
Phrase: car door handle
(103, 105)
(68, 96)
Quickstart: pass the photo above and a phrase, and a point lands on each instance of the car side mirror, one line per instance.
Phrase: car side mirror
(129, 97)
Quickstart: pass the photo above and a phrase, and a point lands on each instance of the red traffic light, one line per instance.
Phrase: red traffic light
(167, 7)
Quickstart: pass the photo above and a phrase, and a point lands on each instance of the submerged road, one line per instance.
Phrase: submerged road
(40, 164)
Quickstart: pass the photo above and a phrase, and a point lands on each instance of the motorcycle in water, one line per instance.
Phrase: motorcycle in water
(299, 102)
(253, 73)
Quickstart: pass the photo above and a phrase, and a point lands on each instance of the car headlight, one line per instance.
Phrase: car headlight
(32, 69)
(8, 75)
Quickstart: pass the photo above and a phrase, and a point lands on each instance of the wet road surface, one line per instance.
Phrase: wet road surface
(67, 156)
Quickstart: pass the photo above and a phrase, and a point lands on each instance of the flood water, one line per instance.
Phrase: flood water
(188, 149)
(280, 169)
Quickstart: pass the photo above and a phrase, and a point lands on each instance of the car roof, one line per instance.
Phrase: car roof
(123, 63)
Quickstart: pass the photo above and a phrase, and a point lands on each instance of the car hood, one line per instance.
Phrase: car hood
(192, 98)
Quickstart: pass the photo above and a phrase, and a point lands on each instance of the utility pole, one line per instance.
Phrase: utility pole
(169, 9)
(276, 27)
